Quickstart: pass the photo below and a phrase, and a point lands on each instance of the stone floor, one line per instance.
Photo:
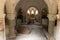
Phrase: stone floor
(37, 33)
(2, 36)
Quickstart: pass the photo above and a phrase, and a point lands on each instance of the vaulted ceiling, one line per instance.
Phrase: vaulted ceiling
(39, 4)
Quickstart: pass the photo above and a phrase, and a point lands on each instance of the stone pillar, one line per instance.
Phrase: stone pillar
(57, 34)
(12, 29)
(2, 21)
(11, 14)
(10, 7)
(51, 29)
(11, 25)
(51, 26)
(2, 27)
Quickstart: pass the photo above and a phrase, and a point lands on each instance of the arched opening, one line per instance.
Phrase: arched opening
(31, 16)
(31, 13)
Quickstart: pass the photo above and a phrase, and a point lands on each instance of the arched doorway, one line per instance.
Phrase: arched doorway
(32, 15)
(25, 7)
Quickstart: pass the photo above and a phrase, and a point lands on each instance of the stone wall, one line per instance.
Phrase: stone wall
(2, 20)
(57, 34)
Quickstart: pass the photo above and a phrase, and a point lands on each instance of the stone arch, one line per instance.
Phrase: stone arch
(12, 5)
(26, 6)
(52, 10)
(50, 3)
(21, 2)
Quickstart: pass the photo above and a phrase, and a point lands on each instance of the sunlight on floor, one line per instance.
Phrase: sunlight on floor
(36, 34)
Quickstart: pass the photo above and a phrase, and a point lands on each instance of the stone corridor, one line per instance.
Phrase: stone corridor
(30, 10)
(37, 33)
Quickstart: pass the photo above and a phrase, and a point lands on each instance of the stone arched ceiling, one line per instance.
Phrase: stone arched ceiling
(11, 5)
(39, 4)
